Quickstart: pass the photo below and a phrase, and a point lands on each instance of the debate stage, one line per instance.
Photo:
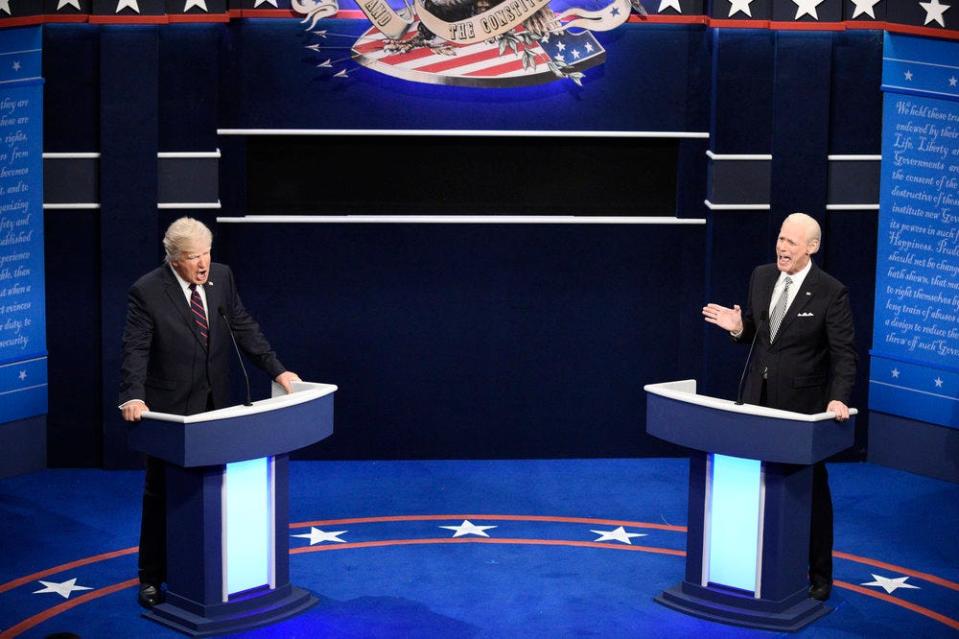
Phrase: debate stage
(547, 548)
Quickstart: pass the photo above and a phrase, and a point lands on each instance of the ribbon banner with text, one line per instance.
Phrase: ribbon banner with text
(915, 349)
(23, 350)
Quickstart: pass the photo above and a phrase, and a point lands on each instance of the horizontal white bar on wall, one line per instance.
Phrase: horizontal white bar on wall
(852, 207)
(189, 205)
(71, 156)
(738, 156)
(737, 207)
(454, 219)
(71, 206)
(854, 158)
(925, 64)
(472, 133)
(25, 361)
(189, 154)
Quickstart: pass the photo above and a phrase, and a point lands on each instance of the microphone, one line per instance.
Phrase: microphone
(248, 402)
(742, 378)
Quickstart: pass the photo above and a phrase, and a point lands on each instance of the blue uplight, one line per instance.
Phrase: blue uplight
(734, 510)
(249, 524)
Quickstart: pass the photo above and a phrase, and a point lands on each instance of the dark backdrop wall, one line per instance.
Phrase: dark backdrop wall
(465, 340)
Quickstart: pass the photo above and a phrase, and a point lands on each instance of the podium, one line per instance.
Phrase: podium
(227, 483)
(750, 492)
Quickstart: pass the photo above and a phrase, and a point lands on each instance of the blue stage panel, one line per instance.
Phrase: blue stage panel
(915, 350)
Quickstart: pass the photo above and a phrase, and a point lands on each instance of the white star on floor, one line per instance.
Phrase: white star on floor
(201, 4)
(259, 2)
(934, 11)
(64, 589)
(468, 528)
(908, 75)
(953, 80)
(670, 4)
(127, 4)
(938, 382)
(5, 6)
(895, 373)
(16, 67)
(23, 374)
(807, 8)
(865, 6)
(889, 584)
(317, 536)
(617, 534)
(735, 6)
(68, 3)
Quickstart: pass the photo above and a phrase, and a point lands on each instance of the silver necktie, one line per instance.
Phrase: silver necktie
(779, 311)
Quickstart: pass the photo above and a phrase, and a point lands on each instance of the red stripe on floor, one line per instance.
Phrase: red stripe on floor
(561, 520)
(485, 540)
(926, 612)
(49, 613)
(10, 585)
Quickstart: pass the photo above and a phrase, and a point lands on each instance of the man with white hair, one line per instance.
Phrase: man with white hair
(176, 359)
(804, 358)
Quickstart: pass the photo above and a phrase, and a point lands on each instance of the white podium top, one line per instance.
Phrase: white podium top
(302, 392)
(685, 391)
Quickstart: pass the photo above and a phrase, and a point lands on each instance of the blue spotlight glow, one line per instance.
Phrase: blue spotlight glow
(249, 524)
(734, 510)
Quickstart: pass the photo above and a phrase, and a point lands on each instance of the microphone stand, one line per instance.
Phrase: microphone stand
(752, 345)
(246, 378)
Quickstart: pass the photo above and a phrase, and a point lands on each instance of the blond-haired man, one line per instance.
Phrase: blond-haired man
(177, 352)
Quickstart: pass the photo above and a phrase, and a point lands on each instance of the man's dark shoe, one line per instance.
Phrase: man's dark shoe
(820, 592)
(149, 595)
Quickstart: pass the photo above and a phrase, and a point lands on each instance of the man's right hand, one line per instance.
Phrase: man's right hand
(730, 319)
(133, 409)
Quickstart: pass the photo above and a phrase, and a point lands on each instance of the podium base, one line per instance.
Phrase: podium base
(739, 610)
(273, 609)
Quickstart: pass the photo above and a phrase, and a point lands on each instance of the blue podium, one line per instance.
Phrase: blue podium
(750, 490)
(227, 484)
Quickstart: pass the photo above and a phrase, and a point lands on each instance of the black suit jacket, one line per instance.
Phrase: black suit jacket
(165, 362)
(813, 360)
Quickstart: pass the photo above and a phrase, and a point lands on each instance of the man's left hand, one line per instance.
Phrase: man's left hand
(840, 409)
(286, 379)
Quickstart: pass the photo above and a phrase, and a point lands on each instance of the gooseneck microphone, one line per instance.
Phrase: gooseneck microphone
(246, 378)
(752, 345)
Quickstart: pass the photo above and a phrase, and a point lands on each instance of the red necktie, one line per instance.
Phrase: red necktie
(199, 315)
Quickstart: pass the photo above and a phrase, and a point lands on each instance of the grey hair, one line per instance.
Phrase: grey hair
(813, 230)
(184, 231)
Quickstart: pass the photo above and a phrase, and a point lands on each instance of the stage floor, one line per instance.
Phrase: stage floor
(533, 548)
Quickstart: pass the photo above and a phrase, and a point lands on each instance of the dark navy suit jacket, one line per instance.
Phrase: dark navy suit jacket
(813, 360)
(165, 362)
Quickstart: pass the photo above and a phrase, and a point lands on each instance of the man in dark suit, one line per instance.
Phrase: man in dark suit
(176, 359)
(804, 359)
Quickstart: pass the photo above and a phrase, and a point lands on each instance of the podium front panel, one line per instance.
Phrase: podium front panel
(734, 508)
(248, 526)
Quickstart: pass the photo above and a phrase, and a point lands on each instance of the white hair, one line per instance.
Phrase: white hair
(813, 230)
(182, 232)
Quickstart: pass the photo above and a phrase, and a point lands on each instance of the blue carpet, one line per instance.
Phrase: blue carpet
(540, 573)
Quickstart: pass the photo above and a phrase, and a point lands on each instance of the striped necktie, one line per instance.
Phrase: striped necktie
(199, 314)
(780, 311)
